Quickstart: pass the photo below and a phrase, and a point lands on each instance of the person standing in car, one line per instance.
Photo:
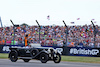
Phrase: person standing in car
(26, 41)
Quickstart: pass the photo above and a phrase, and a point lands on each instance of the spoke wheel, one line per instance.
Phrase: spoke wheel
(43, 57)
(57, 59)
(13, 56)
(34, 52)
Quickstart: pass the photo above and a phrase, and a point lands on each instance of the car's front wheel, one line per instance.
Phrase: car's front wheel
(43, 57)
(57, 59)
(26, 60)
(13, 56)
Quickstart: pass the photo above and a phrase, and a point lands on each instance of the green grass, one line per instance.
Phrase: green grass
(68, 58)
(81, 59)
(3, 56)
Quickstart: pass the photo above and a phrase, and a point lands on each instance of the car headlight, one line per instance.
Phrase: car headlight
(50, 50)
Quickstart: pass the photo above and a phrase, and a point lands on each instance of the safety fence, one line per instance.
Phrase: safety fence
(67, 51)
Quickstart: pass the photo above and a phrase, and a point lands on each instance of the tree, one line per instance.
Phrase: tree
(24, 24)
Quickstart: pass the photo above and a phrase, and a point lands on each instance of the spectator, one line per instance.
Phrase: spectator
(82, 35)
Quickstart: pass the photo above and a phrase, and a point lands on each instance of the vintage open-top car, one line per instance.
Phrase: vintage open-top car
(35, 51)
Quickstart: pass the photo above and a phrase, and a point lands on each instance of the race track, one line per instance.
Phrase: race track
(35, 63)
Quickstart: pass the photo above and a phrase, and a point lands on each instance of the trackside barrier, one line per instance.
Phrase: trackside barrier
(67, 51)
(5, 48)
(81, 51)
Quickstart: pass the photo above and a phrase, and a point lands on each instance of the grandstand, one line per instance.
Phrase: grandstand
(51, 35)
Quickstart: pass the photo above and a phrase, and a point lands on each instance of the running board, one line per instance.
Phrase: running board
(25, 57)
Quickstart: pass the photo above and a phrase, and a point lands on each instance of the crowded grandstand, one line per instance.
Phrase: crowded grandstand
(51, 35)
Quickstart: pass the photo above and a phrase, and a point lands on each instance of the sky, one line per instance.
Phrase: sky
(27, 11)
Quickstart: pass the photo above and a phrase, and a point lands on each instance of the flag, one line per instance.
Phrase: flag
(78, 18)
(72, 22)
(93, 19)
(48, 17)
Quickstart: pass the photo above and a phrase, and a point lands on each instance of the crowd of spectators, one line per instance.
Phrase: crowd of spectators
(51, 35)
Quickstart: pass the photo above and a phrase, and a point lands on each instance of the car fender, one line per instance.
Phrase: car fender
(12, 51)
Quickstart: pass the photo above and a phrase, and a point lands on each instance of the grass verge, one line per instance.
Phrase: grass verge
(68, 58)
(3, 55)
(81, 59)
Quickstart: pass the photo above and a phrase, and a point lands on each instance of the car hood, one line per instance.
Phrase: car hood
(43, 47)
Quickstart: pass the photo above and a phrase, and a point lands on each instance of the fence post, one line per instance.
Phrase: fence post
(94, 32)
(39, 29)
(14, 30)
(66, 31)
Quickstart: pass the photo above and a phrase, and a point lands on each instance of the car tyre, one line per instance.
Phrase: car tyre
(13, 56)
(34, 52)
(43, 57)
(57, 59)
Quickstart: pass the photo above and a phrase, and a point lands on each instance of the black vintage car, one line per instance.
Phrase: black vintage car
(43, 54)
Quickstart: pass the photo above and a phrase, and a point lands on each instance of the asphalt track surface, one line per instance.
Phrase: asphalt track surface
(36, 63)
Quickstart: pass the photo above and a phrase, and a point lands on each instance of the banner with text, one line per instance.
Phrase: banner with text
(81, 51)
